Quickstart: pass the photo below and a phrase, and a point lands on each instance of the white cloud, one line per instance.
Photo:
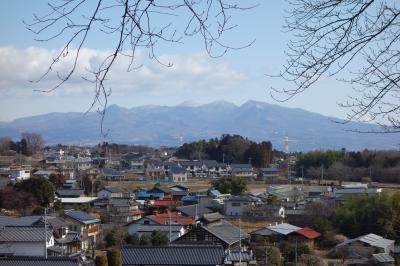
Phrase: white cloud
(191, 75)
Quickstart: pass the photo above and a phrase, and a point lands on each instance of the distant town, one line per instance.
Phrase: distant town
(223, 201)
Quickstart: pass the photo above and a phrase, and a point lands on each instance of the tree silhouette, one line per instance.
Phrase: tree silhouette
(355, 41)
(131, 24)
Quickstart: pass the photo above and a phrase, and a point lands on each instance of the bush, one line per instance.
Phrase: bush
(101, 261)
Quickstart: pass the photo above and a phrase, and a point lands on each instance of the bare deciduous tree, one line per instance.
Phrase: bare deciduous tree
(34, 142)
(131, 24)
(355, 41)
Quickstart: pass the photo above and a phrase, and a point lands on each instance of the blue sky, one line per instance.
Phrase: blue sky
(237, 77)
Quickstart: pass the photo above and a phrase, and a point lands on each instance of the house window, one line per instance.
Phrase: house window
(146, 222)
(235, 204)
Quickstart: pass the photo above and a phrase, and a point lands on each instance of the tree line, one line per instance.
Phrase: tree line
(229, 149)
(29, 144)
(371, 165)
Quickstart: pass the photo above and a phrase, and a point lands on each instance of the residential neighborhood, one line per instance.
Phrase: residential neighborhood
(137, 206)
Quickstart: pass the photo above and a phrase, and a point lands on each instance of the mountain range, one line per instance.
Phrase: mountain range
(170, 125)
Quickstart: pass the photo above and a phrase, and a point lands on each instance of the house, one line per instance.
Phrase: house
(218, 233)
(345, 191)
(122, 210)
(286, 193)
(154, 170)
(279, 232)
(66, 242)
(208, 218)
(177, 174)
(139, 230)
(190, 255)
(195, 168)
(19, 174)
(25, 240)
(273, 212)
(146, 195)
(113, 175)
(194, 211)
(69, 193)
(167, 217)
(366, 246)
(168, 192)
(190, 199)
(83, 163)
(241, 170)
(38, 261)
(162, 204)
(238, 205)
(44, 173)
(86, 225)
(269, 174)
(238, 258)
(180, 187)
(110, 192)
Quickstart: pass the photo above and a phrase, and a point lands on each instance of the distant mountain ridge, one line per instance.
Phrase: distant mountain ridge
(165, 126)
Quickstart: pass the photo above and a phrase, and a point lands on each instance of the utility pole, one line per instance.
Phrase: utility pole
(322, 174)
(223, 157)
(240, 243)
(170, 226)
(45, 233)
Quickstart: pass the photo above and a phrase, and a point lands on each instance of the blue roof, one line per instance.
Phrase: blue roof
(269, 169)
(190, 198)
(81, 216)
(146, 194)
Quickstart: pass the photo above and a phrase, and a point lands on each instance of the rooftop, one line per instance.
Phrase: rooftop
(24, 234)
(38, 261)
(225, 231)
(81, 216)
(172, 255)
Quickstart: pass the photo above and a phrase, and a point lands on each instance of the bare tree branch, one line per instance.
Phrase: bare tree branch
(131, 24)
(335, 38)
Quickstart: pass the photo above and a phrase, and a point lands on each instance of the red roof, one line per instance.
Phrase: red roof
(175, 218)
(118, 154)
(166, 202)
(308, 233)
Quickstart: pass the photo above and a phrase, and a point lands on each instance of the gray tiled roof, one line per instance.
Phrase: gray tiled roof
(69, 192)
(158, 227)
(236, 256)
(24, 234)
(190, 210)
(81, 216)
(225, 231)
(18, 221)
(38, 261)
(172, 255)
(212, 217)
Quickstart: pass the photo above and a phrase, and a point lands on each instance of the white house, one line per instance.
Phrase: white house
(238, 205)
(20, 174)
(25, 240)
